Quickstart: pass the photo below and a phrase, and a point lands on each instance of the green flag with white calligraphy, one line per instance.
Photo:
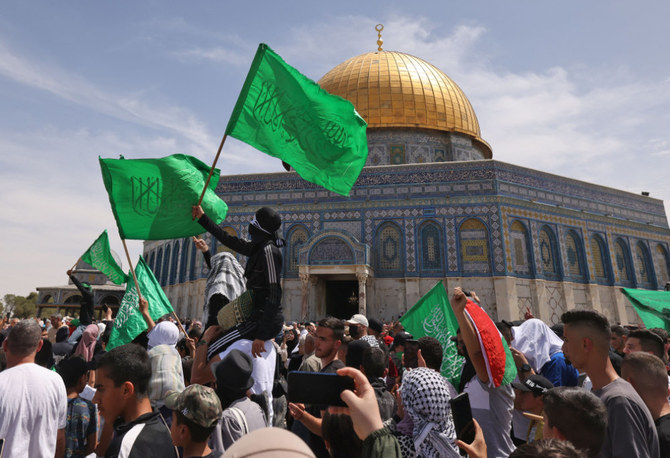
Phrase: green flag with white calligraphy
(129, 322)
(287, 115)
(432, 316)
(100, 256)
(152, 198)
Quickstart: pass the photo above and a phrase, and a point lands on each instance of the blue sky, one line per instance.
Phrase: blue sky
(579, 89)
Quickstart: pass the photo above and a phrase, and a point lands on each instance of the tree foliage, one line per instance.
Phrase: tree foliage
(20, 306)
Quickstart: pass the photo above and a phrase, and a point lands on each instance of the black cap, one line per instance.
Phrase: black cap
(535, 384)
(401, 338)
(375, 324)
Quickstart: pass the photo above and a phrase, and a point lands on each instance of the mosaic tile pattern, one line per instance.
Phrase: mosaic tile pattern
(643, 265)
(352, 227)
(556, 303)
(410, 257)
(331, 250)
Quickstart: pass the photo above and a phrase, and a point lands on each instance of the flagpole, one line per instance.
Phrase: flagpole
(132, 270)
(75, 264)
(211, 171)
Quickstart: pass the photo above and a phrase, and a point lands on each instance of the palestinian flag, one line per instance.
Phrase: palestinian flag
(499, 362)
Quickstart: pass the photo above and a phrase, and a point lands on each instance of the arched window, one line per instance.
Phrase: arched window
(194, 253)
(297, 236)
(549, 254)
(575, 255)
(520, 252)
(183, 263)
(645, 273)
(474, 243)
(150, 259)
(221, 247)
(622, 262)
(166, 267)
(601, 270)
(389, 248)
(662, 265)
(431, 247)
(174, 263)
(159, 264)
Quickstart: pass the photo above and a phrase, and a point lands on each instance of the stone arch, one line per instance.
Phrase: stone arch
(622, 262)
(601, 265)
(574, 252)
(644, 269)
(475, 255)
(165, 269)
(662, 265)
(158, 267)
(183, 262)
(174, 263)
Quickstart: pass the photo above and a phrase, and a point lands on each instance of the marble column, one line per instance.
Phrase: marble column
(304, 279)
(362, 302)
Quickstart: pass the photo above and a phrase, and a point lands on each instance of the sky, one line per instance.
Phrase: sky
(578, 89)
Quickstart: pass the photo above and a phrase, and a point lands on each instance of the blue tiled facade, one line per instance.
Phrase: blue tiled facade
(470, 208)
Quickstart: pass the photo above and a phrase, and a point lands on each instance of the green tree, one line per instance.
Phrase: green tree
(26, 307)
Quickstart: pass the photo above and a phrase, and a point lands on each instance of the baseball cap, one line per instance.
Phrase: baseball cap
(359, 319)
(198, 403)
(388, 340)
(401, 338)
(535, 384)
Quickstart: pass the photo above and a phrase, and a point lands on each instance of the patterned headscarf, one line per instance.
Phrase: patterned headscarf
(226, 277)
(425, 397)
(86, 346)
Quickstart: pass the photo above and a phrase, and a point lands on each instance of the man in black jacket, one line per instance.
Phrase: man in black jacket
(262, 272)
(86, 307)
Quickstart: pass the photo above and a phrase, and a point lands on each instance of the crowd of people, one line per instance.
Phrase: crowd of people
(223, 388)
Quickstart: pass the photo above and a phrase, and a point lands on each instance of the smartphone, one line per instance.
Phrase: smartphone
(318, 388)
(2, 446)
(411, 354)
(462, 413)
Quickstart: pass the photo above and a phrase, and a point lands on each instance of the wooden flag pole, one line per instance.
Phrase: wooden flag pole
(211, 171)
(181, 328)
(132, 270)
(75, 264)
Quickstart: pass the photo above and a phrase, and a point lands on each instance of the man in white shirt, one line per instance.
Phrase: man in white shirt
(33, 400)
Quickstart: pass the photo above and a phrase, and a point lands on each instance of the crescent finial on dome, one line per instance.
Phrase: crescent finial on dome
(380, 42)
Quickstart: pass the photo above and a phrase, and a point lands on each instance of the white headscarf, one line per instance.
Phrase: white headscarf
(165, 333)
(536, 341)
(425, 397)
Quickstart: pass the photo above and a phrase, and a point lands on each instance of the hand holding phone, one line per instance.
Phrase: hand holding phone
(410, 355)
(462, 414)
(317, 388)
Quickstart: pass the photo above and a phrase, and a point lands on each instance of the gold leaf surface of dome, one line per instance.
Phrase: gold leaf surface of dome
(394, 89)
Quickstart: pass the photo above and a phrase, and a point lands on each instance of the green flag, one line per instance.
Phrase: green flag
(286, 115)
(152, 198)
(432, 316)
(99, 256)
(652, 306)
(129, 322)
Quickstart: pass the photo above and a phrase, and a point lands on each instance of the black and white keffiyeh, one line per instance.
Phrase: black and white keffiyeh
(425, 397)
(226, 277)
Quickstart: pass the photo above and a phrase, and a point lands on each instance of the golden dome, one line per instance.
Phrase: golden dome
(394, 89)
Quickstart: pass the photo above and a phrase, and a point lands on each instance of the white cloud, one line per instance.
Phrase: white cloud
(74, 89)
